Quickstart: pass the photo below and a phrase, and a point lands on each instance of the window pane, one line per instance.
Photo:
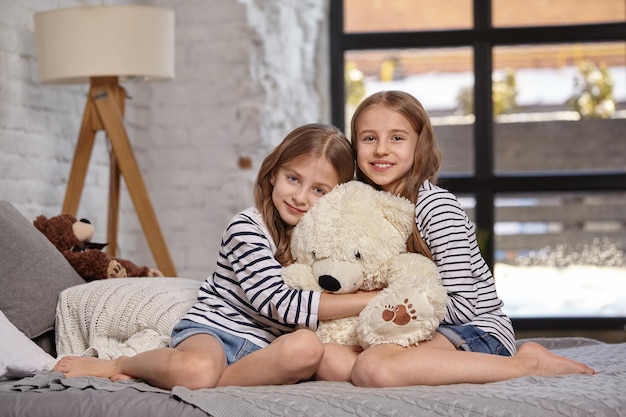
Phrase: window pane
(556, 12)
(560, 108)
(406, 16)
(436, 77)
(561, 255)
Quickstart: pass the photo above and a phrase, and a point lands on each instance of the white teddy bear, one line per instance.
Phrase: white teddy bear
(355, 237)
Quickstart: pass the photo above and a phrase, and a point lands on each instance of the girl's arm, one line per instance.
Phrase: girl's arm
(334, 306)
(451, 238)
(248, 255)
(248, 281)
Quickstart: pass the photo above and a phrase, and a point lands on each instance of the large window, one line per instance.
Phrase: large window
(528, 103)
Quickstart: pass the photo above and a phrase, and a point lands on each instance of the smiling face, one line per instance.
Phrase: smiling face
(385, 146)
(298, 185)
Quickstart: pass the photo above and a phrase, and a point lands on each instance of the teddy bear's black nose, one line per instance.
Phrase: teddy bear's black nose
(329, 283)
(84, 221)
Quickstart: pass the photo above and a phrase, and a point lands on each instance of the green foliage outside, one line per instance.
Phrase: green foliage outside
(355, 84)
(504, 93)
(594, 91)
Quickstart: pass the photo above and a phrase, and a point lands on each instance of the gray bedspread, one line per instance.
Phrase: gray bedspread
(603, 394)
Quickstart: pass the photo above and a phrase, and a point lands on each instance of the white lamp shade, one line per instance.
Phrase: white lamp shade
(77, 43)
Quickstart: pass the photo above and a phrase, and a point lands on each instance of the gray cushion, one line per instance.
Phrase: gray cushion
(32, 274)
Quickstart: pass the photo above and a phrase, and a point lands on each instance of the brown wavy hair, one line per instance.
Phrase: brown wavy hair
(309, 141)
(427, 157)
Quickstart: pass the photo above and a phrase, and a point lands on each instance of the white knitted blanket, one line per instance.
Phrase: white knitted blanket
(124, 316)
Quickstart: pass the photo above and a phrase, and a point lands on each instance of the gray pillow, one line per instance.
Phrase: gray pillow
(32, 274)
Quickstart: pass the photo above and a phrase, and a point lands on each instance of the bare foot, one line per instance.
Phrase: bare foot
(73, 366)
(540, 361)
(121, 377)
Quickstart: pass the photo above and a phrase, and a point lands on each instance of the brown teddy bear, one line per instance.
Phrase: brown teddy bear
(72, 237)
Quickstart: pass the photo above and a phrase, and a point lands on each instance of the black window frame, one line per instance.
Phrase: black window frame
(484, 183)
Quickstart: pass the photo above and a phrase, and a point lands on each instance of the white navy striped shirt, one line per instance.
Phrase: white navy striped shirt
(246, 295)
(451, 237)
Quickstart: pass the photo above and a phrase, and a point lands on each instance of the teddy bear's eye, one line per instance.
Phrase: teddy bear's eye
(357, 254)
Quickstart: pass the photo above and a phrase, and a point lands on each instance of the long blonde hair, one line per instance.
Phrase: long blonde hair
(427, 156)
(312, 140)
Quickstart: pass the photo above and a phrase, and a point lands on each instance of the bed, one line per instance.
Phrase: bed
(604, 394)
(50, 312)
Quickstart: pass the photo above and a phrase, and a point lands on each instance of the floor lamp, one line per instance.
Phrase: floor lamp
(101, 45)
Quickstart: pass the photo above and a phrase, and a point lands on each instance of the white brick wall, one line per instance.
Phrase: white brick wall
(247, 72)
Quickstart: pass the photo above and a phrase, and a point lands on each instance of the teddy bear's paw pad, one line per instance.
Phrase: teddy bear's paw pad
(402, 319)
(116, 270)
(399, 314)
(402, 309)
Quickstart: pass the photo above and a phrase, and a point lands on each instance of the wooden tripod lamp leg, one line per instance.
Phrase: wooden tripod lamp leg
(111, 118)
(82, 154)
(114, 205)
(114, 181)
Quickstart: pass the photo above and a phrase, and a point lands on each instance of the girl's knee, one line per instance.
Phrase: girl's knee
(303, 347)
(194, 370)
(307, 342)
(368, 371)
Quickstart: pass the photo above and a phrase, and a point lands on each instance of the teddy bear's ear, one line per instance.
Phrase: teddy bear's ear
(399, 211)
(40, 222)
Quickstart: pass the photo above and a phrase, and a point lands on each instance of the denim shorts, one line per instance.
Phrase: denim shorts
(234, 347)
(472, 339)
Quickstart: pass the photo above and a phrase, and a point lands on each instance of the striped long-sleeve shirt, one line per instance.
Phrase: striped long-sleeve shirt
(246, 295)
(451, 237)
